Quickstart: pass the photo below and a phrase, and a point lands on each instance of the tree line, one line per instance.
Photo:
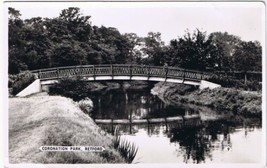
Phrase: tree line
(71, 39)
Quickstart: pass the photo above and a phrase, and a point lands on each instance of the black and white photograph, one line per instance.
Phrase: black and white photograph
(135, 83)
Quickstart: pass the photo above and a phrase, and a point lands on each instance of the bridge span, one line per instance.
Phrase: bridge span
(123, 72)
(106, 72)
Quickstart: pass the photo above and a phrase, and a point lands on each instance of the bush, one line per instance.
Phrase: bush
(230, 82)
(70, 87)
(126, 149)
(20, 81)
(86, 105)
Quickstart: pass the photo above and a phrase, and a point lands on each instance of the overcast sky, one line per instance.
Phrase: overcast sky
(171, 19)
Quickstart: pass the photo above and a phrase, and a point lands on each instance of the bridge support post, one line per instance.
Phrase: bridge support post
(76, 74)
(148, 72)
(78, 70)
(94, 72)
(57, 73)
(183, 76)
(39, 74)
(111, 69)
(130, 67)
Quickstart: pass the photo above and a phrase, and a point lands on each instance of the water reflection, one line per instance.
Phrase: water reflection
(120, 104)
(228, 138)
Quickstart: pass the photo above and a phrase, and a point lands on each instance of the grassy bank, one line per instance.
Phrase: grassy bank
(246, 103)
(54, 120)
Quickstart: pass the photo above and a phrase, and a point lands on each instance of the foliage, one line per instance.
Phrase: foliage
(154, 49)
(225, 46)
(193, 51)
(241, 102)
(70, 87)
(86, 105)
(20, 81)
(15, 42)
(71, 39)
(247, 56)
(127, 149)
(231, 82)
(68, 39)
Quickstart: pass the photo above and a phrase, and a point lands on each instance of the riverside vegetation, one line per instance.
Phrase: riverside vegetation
(240, 102)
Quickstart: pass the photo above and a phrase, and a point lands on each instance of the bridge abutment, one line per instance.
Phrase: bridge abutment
(206, 84)
(34, 87)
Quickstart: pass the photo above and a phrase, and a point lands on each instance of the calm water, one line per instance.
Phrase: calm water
(214, 137)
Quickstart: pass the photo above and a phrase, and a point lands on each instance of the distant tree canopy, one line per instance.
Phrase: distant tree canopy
(71, 39)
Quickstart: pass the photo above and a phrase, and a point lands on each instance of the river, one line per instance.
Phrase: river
(213, 137)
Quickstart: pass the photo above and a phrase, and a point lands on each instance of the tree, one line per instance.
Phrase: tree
(247, 57)
(37, 43)
(69, 38)
(192, 51)
(79, 26)
(225, 45)
(135, 45)
(111, 46)
(154, 49)
(16, 42)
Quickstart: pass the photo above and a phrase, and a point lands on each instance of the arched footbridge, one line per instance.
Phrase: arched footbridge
(124, 72)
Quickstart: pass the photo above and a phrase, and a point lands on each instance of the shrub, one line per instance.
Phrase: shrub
(86, 105)
(126, 149)
(70, 87)
(230, 82)
(20, 81)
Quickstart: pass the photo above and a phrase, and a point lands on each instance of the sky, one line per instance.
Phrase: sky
(171, 19)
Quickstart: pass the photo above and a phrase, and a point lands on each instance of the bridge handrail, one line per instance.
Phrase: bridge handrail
(119, 65)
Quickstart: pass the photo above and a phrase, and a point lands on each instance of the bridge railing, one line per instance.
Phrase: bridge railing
(120, 70)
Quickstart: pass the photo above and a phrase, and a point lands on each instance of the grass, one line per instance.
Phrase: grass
(41, 120)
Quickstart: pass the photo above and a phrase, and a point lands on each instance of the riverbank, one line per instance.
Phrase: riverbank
(246, 103)
(42, 120)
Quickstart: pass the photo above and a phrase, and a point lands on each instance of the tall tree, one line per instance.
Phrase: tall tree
(16, 42)
(154, 49)
(79, 26)
(247, 57)
(135, 45)
(70, 35)
(225, 45)
(37, 43)
(192, 51)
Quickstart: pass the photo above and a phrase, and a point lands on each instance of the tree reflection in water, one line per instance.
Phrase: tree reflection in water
(197, 139)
